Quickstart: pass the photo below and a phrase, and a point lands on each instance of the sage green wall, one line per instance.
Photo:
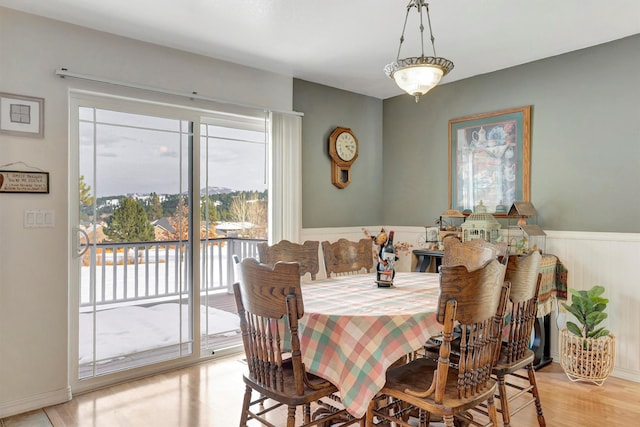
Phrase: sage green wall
(585, 143)
(585, 139)
(325, 108)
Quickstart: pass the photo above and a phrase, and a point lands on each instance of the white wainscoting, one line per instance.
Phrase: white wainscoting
(608, 259)
(613, 261)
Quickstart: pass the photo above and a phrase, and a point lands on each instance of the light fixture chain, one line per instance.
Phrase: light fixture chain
(433, 39)
(404, 27)
(419, 6)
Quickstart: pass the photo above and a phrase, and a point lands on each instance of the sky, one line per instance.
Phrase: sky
(143, 154)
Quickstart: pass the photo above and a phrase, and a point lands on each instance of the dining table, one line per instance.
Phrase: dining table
(352, 331)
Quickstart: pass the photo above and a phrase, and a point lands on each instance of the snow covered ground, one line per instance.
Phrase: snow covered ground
(126, 323)
(125, 330)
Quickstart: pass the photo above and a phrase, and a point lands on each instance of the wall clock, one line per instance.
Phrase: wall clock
(343, 150)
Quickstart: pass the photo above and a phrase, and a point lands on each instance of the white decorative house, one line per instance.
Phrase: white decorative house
(481, 226)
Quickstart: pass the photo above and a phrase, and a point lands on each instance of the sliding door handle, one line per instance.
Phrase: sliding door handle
(79, 248)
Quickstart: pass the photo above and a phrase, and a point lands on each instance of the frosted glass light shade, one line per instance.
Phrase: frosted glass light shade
(416, 75)
(417, 80)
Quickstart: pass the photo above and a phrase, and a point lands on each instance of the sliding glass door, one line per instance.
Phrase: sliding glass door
(134, 294)
(233, 214)
(164, 199)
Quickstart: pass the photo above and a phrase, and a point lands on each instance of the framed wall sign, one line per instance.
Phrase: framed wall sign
(490, 159)
(24, 182)
(21, 115)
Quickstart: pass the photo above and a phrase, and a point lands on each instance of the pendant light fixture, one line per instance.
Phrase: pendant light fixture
(416, 75)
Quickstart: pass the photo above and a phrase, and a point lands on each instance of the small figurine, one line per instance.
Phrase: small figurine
(380, 239)
(386, 259)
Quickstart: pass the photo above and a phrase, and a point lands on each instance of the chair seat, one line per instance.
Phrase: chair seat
(504, 368)
(418, 375)
(287, 394)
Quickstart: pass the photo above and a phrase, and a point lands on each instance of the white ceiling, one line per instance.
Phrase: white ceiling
(347, 43)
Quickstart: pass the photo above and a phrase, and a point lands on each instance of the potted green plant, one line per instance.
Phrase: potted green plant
(587, 349)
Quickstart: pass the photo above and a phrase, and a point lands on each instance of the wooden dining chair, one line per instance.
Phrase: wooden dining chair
(515, 354)
(345, 257)
(264, 298)
(305, 254)
(473, 255)
(474, 300)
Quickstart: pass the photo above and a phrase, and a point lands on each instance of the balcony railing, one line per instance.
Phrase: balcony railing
(151, 272)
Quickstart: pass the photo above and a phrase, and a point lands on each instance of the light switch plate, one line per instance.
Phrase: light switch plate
(39, 218)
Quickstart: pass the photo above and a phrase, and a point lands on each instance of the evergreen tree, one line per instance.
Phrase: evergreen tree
(154, 207)
(129, 223)
(170, 204)
(208, 210)
(86, 199)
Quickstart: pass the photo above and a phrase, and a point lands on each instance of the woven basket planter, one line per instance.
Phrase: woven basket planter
(587, 359)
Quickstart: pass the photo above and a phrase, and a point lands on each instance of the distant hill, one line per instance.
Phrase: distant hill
(138, 196)
(216, 190)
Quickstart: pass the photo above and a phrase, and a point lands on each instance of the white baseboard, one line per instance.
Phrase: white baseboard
(35, 402)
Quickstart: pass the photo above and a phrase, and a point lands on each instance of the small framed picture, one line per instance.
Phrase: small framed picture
(24, 182)
(21, 115)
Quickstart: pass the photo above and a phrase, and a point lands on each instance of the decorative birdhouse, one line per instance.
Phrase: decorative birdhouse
(524, 236)
(449, 224)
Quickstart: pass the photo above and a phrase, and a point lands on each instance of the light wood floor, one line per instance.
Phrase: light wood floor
(210, 395)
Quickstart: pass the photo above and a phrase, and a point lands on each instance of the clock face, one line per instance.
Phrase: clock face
(346, 146)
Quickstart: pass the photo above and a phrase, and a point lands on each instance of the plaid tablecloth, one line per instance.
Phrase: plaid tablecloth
(352, 331)
(553, 283)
